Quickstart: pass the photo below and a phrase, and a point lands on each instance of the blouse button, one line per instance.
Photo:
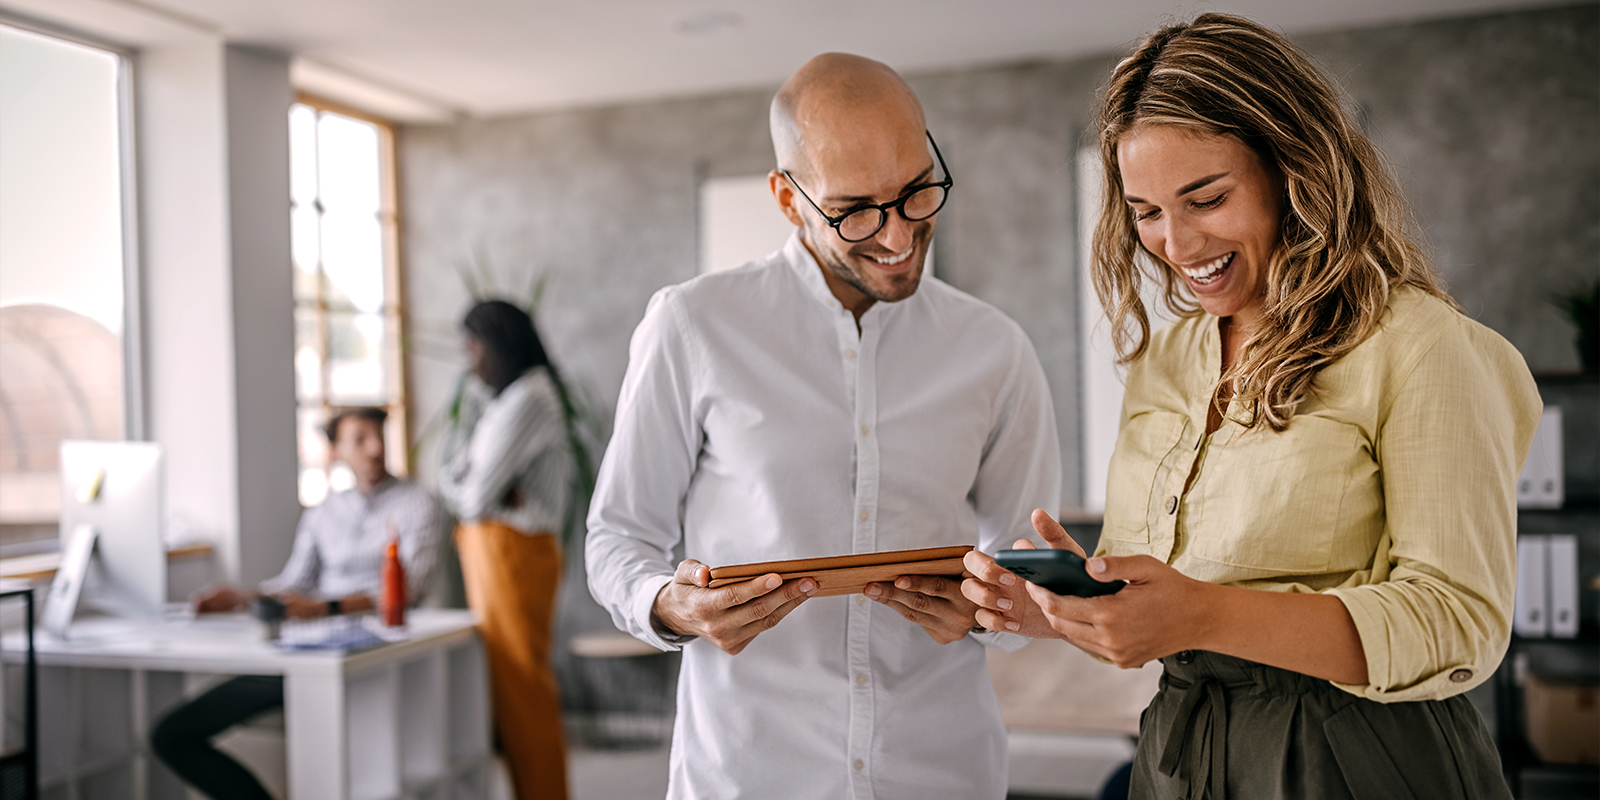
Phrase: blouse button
(1172, 504)
(858, 765)
(861, 679)
(864, 516)
(1186, 657)
(1461, 675)
(849, 355)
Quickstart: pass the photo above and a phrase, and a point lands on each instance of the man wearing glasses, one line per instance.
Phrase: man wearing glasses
(826, 399)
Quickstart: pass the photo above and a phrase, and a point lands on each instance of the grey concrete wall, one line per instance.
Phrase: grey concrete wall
(1491, 122)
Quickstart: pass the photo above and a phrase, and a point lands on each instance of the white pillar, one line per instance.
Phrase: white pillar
(213, 172)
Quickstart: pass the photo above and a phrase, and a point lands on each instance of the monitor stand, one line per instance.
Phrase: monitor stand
(67, 586)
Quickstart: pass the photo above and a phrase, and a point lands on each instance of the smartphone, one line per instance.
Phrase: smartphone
(1061, 571)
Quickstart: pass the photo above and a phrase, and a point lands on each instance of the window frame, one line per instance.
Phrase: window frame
(390, 219)
(135, 417)
(132, 340)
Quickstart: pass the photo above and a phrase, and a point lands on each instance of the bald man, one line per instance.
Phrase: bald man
(826, 399)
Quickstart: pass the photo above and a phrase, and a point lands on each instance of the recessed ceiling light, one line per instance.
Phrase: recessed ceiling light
(707, 23)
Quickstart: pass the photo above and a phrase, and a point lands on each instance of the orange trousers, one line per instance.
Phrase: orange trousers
(511, 580)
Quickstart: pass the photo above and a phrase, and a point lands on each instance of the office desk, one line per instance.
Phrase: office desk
(408, 719)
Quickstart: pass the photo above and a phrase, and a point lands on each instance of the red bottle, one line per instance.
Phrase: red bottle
(394, 587)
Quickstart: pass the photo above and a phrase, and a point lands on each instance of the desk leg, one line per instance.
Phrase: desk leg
(314, 725)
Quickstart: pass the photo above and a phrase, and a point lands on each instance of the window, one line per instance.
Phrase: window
(63, 258)
(346, 283)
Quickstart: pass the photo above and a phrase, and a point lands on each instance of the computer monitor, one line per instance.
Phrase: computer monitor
(117, 490)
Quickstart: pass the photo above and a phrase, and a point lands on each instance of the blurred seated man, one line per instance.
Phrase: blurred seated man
(335, 568)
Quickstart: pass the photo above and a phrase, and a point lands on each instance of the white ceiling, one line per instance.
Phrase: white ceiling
(422, 59)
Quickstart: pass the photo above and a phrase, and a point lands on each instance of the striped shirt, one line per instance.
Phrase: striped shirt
(340, 544)
(508, 459)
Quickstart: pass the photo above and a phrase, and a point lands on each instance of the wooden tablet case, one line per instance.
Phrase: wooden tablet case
(850, 574)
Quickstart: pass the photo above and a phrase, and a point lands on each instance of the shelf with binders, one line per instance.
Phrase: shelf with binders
(1547, 689)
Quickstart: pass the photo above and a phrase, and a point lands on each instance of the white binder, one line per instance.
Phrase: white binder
(1542, 483)
(1531, 618)
(1563, 585)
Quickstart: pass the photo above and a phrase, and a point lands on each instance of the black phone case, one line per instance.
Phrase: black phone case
(1061, 571)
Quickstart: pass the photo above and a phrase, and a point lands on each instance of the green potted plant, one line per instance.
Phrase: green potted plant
(586, 421)
(1581, 306)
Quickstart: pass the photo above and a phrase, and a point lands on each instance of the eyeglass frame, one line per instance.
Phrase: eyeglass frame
(897, 205)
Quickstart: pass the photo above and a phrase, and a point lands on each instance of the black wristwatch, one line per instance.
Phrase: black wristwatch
(334, 608)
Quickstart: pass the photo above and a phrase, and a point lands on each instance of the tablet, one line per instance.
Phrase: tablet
(850, 574)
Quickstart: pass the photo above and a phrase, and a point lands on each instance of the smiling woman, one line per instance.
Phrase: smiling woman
(1313, 484)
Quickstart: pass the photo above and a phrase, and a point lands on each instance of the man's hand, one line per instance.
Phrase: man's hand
(933, 602)
(221, 600)
(728, 616)
(298, 606)
(1006, 606)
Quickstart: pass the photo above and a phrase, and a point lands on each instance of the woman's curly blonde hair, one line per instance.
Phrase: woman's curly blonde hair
(1343, 245)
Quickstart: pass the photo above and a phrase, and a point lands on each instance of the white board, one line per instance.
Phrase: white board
(739, 222)
(1102, 381)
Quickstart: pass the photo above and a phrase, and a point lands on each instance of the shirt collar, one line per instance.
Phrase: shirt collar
(379, 489)
(809, 272)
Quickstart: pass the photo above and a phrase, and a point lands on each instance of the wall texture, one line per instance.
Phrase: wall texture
(1491, 123)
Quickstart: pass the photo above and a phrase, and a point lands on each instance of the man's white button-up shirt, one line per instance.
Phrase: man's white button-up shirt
(754, 407)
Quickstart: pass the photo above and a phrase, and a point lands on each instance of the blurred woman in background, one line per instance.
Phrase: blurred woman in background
(507, 475)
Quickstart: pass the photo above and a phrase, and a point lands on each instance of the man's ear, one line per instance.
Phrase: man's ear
(783, 192)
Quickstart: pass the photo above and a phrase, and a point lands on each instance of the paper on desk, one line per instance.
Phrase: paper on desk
(337, 633)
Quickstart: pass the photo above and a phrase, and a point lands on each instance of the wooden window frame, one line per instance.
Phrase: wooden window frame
(390, 226)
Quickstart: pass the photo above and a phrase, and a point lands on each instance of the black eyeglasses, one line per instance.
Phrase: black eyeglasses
(863, 222)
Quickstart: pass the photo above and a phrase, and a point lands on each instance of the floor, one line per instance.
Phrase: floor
(636, 774)
(641, 774)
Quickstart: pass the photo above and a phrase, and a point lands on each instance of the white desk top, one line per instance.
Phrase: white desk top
(225, 643)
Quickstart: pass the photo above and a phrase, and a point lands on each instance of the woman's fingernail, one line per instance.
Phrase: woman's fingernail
(873, 590)
(1007, 579)
(1005, 604)
(773, 581)
(1097, 565)
(1011, 626)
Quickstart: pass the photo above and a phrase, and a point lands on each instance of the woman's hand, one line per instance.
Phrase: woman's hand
(1003, 604)
(1159, 612)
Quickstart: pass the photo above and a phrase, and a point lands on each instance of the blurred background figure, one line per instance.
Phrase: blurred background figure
(506, 477)
(335, 568)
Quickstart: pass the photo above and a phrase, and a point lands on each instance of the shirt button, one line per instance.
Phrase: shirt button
(1186, 657)
(1461, 675)
(861, 679)
(861, 599)
(864, 516)
(849, 354)
(859, 764)
(1172, 504)
(863, 430)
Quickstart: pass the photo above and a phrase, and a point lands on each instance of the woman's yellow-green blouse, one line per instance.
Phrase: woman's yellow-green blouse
(1393, 488)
